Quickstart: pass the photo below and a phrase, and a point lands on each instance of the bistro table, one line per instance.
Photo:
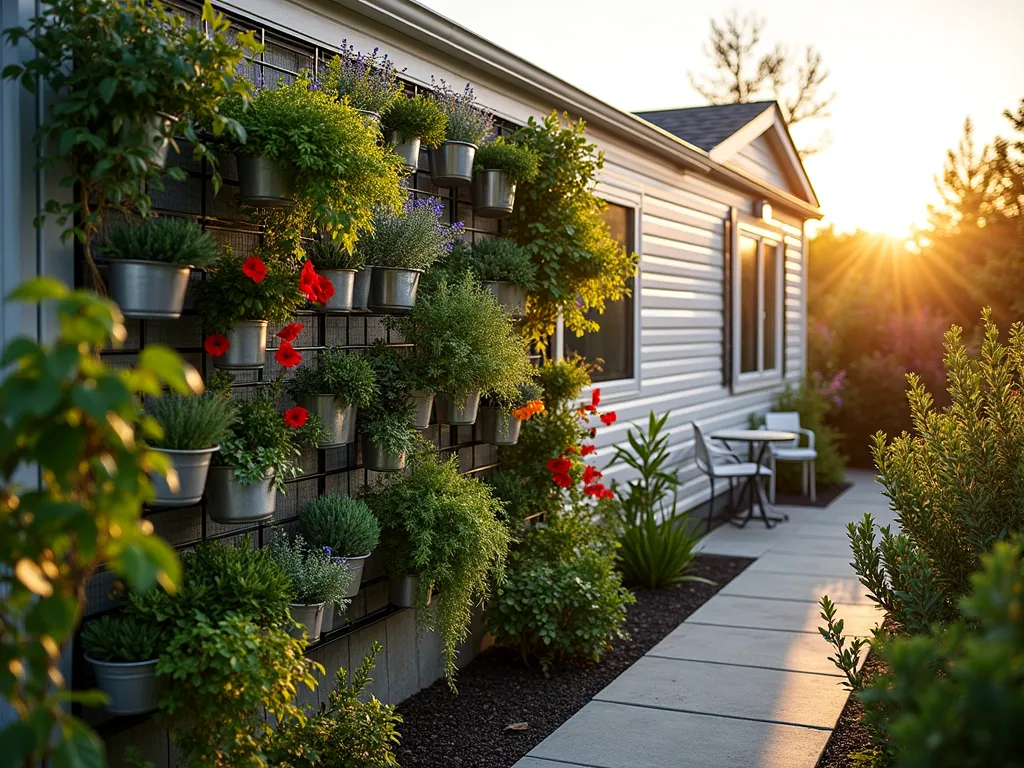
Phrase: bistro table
(761, 438)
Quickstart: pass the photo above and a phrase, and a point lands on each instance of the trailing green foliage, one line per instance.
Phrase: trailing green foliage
(123, 639)
(342, 524)
(71, 425)
(412, 238)
(464, 120)
(517, 160)
(416, 117)
(315, 575)
(558, 219)
(500, 259)
(191, 422)
(390, 431)
(164, 239)
(518, 499)
(466, 341)
(369, 81)
(228, 295)
(331, 254)
(444, 528)
(562, 597)
(563, 380)
(352, 731)
(348, 377)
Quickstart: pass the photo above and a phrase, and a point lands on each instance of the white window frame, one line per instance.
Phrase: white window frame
(618, 389)
(766, 236)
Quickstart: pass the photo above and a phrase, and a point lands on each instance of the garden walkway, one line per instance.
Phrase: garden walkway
(744, 681)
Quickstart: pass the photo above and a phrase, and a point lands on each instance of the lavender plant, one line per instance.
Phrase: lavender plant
(316, 575)
(369, 80)
(466, 121)
(414, 238)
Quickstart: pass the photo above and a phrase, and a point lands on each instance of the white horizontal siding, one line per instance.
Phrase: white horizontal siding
(758, 159)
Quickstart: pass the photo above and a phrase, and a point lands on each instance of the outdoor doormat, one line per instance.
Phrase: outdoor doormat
(504, 709)
(826, 495)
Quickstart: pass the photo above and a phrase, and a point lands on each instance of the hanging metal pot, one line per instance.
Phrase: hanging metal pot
(393, 290)
(132, 687)
(355, 568)
(402, 591)
(451, 164)
(494, 194)
(373, 118)
(409, 150)
(309, 617)
(457, 414)
(361, 289)
(422, 404)
(148, 289)
(231, 503)
(264, 183)
(155, 132)
(512, 297)
(340, 421)
(192, 468)
(248, 348)
(377, 460)
(344, 289)
(498, 427)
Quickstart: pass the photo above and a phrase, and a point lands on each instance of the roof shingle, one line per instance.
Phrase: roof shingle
(706, 127)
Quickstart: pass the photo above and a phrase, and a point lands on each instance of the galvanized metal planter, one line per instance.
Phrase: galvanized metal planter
(339, 421)
(409, 151)
(361, 289)
(310, 617)
(371, 117)
(457, 414)
(494, 194)
(376, 460)
(264, 183)
(402, 591)
(192, 468)
(422, 404)
(451, 164)
(498, 427)
(393, 290)
(150, 289)
(154, 131)
(355, 568)
(132, 687)
(344, 281)
(512, 297)
(231, 503)
(248, 346)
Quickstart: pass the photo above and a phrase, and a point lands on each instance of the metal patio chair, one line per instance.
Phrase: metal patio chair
(720, 464)
(789, 421)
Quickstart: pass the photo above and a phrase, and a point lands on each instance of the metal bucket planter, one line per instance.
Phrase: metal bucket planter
(230, 503)
(147, 288)
(457, 414)
(344, 281)
(355, 568)
(494, 194)
(248, 346)
(310, 618)
(422, 404)
(339, 421)
(402, 591)
(264, 183)
(133, 688)
(192, 468)
(154, 134)
(393, 290)
(512, 297)
(451, 164)
(376, 460)
(409, 150)
(361, 289)
(373, 118)
(498, 427)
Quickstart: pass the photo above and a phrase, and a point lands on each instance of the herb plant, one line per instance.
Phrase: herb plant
(140, 63)
(465, 121)
(346, 376)
(413, 238)
(191, 423)
(330, 254)
(164, 239)
(344, 525)
(369, 81)
(517, 160)
(415, 117)
(467, 341)
(390, 431)
(316, 576)
(557, 218)
(444, 528)
(228, 296)
(122, 639)
(500, 259)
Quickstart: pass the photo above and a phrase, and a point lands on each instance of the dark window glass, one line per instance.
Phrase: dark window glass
(748, 304)
(771, 292)
(614, 342)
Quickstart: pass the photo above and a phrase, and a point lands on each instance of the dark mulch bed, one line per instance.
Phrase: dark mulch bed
(826, 495)
(850, 736)
(498, 690)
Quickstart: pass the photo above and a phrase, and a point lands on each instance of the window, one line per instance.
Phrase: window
(757, 304)
(615, 341)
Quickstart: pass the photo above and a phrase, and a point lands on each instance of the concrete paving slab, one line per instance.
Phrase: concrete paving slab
(607, 735)
(787, 615)
(533, 762)
(821, 531)
(769, 649)
(807, 545)
(791, 586)
(818, 565)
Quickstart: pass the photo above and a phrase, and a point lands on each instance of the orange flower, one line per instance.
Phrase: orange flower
(532, 408)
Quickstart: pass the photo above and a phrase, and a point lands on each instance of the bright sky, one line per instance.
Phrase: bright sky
(906, 73)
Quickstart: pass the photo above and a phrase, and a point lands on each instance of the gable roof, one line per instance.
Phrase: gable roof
(706, 127)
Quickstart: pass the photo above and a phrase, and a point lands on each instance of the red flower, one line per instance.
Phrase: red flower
(309, 281)
(255, 269)
(586, 450)
(562, 480)
(595, 397)
(596, 490)
(590, 474)
(295, 417)
(216, 344)
(571, 449)
(606, 494)
(558, 466)
(590, 408)
(290, 332)
(324, 289)
(608, 418)
(287, 356)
